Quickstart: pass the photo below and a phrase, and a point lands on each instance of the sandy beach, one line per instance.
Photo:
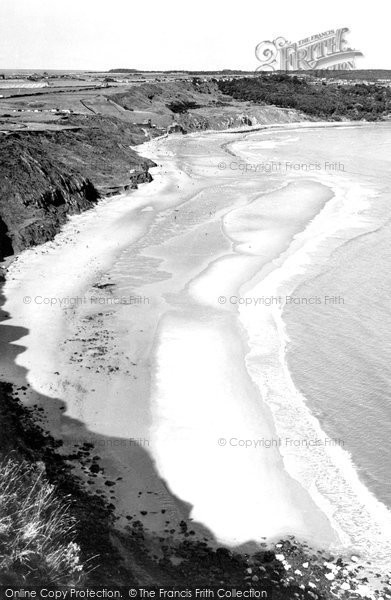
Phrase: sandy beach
(134, 321)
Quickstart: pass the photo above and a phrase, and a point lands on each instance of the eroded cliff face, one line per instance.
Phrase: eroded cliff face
(233, 117)
(35, 215)
(46, 176)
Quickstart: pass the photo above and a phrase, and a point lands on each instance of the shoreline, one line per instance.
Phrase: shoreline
(304, 124)
(150, 193)
(189, 290)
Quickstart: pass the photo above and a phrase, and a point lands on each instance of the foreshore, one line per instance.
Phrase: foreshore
(101, 366)
(153, 376)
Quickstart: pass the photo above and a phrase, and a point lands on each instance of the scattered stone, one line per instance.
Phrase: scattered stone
(363, 591)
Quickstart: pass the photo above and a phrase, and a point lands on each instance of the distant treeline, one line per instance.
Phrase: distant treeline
(356, 74)
(182, 72)
(124, 71)
(331, 101)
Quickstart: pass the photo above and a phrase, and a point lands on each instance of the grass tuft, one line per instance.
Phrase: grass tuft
(36, 529)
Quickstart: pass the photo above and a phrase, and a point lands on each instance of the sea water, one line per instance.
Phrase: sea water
(322, 359)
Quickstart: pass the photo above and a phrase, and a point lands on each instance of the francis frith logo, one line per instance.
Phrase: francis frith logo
(327, 50)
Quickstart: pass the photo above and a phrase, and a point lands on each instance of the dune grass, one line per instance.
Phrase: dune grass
(36, 529)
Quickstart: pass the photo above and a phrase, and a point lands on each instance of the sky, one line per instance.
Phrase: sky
(173, 34)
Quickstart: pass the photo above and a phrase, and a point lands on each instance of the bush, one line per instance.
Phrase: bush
(370, 102)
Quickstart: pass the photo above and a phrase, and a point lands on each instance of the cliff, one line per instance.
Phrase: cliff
(199, 106)
(48, 175)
